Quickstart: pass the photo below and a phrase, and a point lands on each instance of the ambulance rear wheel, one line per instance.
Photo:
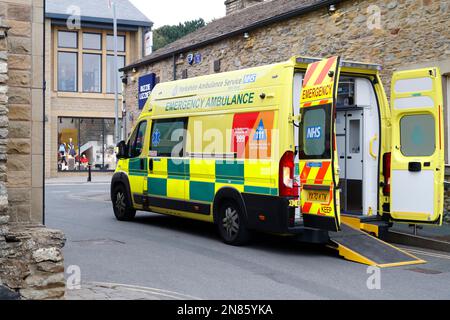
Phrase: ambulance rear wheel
(123, 209)
(231, 224)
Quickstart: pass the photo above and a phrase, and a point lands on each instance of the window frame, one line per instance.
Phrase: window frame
(327, 153)
(79, 92)
(402, 151)
(168, 120)
(135, 132)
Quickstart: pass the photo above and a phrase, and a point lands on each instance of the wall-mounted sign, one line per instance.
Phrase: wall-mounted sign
(190, 58)
(146, 85)
(197, 58)
(148, 42)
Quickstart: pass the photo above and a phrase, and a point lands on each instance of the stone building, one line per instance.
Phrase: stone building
(79, 75)
(31, 262)
(397, 34)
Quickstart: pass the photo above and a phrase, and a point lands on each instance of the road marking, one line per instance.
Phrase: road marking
(428, 253)
(156, 291)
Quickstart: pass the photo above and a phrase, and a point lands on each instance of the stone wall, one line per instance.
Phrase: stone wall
(410, 33)
(31, 261)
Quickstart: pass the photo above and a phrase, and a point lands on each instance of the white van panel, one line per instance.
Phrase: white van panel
(414, 102)
(365, 97)
(413, 85)
(405, 184)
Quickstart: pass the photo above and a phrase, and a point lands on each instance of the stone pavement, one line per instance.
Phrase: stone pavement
(112, 291)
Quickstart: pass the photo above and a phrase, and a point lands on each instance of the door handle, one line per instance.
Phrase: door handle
(142, 163)
(372, 154)
(150, 164)
(414, 166)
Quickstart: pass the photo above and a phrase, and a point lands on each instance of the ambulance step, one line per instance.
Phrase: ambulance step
(358, 246)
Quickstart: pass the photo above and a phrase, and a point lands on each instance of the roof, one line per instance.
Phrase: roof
(256, 16)
(97, 11)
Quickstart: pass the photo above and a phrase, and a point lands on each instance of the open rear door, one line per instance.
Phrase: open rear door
(319, 177)
(417, 160)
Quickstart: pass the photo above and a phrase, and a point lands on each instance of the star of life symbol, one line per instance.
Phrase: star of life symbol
(156, 138)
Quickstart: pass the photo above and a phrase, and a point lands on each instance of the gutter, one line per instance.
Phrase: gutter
(259, 24)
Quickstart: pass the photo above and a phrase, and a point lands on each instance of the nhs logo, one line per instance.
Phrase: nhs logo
(314, 132)
(249, 78)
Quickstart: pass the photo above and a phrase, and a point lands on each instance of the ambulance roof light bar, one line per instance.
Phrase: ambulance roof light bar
(348, 64)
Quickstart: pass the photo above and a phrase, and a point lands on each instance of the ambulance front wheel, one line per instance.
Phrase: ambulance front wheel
(231, 224)
(123, 209)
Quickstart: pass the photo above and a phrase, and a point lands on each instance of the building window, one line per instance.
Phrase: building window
(92, 41)
(110, 73)
(120, 43)
(92, 72)
(68, 39)
(67, 71)
(86, 140)
(92, 53)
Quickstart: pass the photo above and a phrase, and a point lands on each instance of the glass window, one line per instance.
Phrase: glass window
(120, 43)
(417, 134)
(315, 133)
(91, 141)
(168, 137)
(67, 39)
(67, 71)
(110, 155)
(92, 72)
(110, 73)
(68, 150)
(92, 41)
(137, 140)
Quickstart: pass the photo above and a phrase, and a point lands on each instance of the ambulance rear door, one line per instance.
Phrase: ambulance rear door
(417, 159)
(318, 162)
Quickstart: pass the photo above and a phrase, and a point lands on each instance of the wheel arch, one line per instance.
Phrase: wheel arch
(121, 178)
(228, 193)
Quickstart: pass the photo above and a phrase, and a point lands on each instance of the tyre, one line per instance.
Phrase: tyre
(123, 209)
(231, 224)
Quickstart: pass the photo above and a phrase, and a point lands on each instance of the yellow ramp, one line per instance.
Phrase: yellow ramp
(356, 245)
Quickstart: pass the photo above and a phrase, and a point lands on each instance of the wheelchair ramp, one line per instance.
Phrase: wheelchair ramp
(358, 246)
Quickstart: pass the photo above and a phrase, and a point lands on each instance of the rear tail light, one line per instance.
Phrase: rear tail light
(286, 184)
(387, 174)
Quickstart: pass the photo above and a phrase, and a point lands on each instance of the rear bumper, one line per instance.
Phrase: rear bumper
(274, 214)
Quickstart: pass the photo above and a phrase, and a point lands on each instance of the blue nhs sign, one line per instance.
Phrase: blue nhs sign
(146, 85)
(314, 132)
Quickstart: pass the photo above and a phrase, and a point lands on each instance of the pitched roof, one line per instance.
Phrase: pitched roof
(256, 16)
(97, 11)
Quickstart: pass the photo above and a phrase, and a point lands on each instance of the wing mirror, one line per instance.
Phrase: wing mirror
(121, 150)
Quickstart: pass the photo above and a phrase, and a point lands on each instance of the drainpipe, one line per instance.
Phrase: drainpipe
(174, 67)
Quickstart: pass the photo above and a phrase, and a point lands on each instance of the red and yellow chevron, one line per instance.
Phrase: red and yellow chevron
(318, 86)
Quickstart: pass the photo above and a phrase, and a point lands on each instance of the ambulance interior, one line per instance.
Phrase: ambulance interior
(357, 138)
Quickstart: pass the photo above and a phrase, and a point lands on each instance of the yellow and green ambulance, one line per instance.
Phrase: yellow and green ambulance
(287, 148)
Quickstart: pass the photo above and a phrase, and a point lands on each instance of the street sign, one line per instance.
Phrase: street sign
(146, 85)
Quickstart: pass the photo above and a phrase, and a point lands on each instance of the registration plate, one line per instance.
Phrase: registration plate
(318, 196)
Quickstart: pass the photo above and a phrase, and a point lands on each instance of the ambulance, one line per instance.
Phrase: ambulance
(288, 148)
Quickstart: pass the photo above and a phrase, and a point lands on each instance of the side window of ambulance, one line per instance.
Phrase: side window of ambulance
(315, 133)
(417, 135)
(136, 142)
(168, 138)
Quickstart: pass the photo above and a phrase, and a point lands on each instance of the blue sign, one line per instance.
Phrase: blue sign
(260, 133)
(156, 138)
(146, 85)
(313, 132)
(197, 58)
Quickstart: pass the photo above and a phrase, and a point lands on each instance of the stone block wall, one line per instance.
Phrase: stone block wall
(31, 261)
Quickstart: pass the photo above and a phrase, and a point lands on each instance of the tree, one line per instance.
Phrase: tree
(168, 34)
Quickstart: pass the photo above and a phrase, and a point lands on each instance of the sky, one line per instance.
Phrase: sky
(163, 12)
